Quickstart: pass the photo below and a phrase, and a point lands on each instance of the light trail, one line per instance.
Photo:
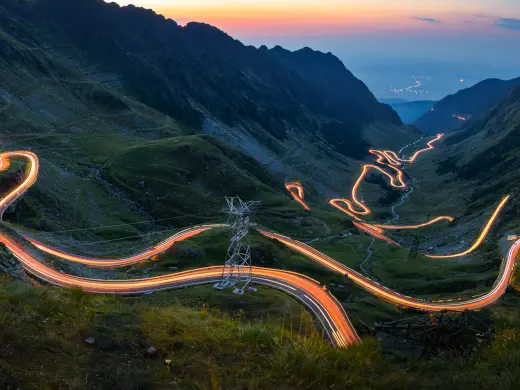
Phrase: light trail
(394, 159)
(330, 313)
(32, 175)
(124, 261)
(396, 181)
(461, 118)
(375, 232)
(482, 235)
(300, 195)
(388, 158)
(394, 297)
(328, 310)
(410, 227)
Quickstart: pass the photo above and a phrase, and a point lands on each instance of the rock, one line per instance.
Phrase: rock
(151, 351)
(90, 340)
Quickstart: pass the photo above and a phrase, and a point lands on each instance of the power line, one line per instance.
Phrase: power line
(130, 223)
(124, 238)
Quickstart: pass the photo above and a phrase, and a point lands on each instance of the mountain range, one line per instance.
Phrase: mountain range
(142, 127)
(84, 98)
(467, 104)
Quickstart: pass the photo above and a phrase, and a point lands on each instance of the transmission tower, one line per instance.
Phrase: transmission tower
(237, 268)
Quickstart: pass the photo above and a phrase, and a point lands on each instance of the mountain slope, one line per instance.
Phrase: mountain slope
(197, 72)
(453, 111)
(346, 94)
(80, 96)
(475, 167)
(488, 149)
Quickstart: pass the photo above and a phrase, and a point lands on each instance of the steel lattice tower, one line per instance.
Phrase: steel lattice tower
(237, 268)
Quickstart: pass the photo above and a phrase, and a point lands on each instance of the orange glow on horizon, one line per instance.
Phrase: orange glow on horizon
(328, 17)
(286, 19)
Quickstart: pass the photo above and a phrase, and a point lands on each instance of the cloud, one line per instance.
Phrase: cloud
(508, 23)
(427, 20)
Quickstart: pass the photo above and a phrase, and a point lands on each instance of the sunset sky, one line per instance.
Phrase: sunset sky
(480, 37)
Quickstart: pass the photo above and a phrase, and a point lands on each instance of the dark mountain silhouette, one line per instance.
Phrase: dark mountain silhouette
(340, 89)
(197, 72)
(466, 105)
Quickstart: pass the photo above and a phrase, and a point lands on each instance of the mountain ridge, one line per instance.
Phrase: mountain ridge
(242, 83)
(454, 110)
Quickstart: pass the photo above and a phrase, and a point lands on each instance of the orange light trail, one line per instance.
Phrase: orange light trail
(460, 117)
(300, 195)
(396, 181)
(124, 261)
(394, 159)
(324, 305)
(410, 227)
(355, 207)
(330, 312)
(482, 235)
(394, 297)
(309, 292)
(375, 232)
(26, 183)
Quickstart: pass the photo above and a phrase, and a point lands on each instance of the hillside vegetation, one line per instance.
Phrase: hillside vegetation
(80, 101)
(485, 153)
(44, 330)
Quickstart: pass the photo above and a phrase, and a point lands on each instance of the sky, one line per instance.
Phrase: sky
(406, 49)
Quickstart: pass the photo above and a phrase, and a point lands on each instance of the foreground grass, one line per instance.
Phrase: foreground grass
(43, 331)
(42, 346)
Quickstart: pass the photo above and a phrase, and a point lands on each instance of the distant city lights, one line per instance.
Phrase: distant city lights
(422, 85)
(418, 88)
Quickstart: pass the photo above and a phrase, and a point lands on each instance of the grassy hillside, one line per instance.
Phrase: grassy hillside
(44, 330)
(75, 115)
(479, 164)
(190, 175)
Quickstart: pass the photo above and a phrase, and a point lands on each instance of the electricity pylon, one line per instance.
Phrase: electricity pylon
(237, 268)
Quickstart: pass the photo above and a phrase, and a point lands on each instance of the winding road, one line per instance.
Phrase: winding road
(325, 307)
